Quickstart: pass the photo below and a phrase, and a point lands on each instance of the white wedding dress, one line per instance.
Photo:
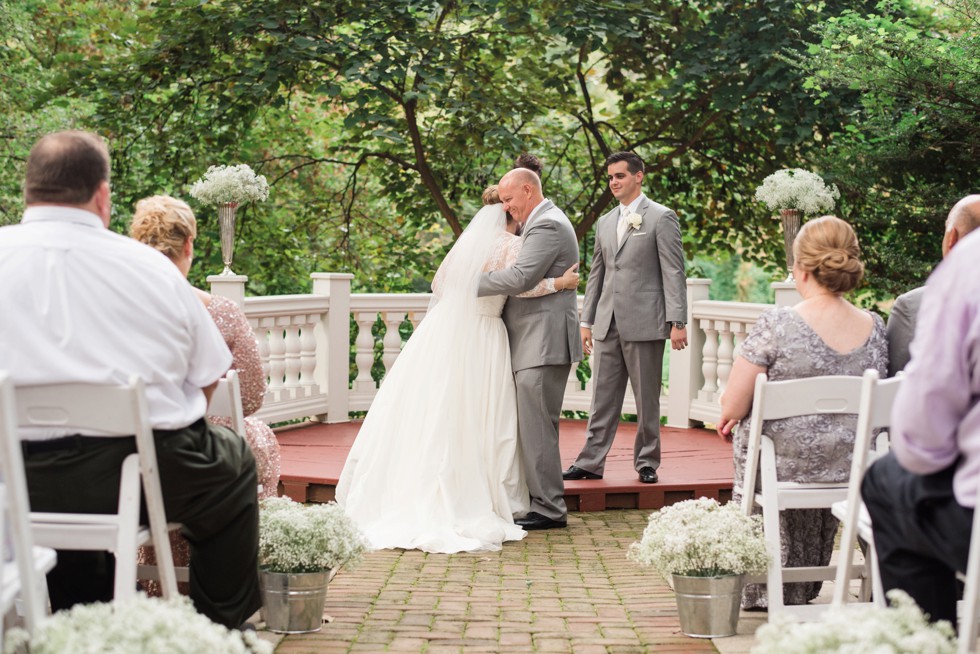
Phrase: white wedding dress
(435, 465)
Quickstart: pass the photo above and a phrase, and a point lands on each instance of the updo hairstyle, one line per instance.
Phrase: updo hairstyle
(490, 195)
(164, 223)
(827, 248)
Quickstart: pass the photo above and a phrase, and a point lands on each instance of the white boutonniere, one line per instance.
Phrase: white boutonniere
(634, 220)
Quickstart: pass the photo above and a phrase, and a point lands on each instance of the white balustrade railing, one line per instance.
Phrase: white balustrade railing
(301, 335)
(392, 309)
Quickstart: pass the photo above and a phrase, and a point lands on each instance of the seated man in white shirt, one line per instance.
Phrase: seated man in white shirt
(83, 304)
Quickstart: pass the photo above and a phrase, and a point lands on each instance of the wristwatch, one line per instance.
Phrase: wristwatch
(678, 325)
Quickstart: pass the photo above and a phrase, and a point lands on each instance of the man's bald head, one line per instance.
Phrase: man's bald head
(520, 191)
(963, 218)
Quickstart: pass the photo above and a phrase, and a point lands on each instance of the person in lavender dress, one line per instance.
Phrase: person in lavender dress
(822, 335)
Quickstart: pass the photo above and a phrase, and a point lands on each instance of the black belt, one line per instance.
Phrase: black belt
(66, 443)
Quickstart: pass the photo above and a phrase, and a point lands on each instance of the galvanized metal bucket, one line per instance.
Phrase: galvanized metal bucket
(293, 603)
(708, 606)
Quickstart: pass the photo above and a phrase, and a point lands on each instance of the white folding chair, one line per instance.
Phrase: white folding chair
(775, 400)
(226, 402)
(874, 413)
(24, 576)
(969, 608)
(113, 411)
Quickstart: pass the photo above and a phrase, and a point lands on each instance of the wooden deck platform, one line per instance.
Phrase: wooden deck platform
(695, 463)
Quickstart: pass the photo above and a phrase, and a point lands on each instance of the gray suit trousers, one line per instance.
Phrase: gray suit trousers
(540, 391)
(615, 363)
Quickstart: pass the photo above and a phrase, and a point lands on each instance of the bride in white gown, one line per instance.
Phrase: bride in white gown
(435, 466)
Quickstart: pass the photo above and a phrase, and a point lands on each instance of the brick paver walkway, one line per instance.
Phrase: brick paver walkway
(568, 590)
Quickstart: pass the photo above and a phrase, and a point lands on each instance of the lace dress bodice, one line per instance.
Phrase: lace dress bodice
(503, 255)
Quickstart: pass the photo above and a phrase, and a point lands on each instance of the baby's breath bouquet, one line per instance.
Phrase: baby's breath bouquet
(138, 624)
(795, 188)
(701, 538)
(901, 629)
(230, 185)
(295, 537)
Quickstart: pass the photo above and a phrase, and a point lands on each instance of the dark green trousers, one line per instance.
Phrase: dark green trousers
(209, 482)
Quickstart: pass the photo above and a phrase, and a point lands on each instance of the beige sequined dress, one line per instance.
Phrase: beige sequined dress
(238, 335)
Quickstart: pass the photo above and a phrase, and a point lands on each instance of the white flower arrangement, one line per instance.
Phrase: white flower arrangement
(901, 629)
(795, 188)
(230, 185)
(634, 219)
(138, 624)
(702, 538)
(294, 537)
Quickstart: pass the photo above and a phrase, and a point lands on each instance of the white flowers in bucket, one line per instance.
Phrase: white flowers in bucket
(138, 624)
(295, 538)
(858, 629)
(230, 185)
(702, 538)
(795, 188)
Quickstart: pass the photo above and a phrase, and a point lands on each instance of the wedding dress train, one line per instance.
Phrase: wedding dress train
(436, 465)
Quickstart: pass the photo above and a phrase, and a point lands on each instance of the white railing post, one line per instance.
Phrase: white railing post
(229, 286)
(333, 344)
(786, 294)
(685, 365)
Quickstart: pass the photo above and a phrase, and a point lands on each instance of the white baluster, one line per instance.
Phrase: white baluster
(726, 348)
(393, 339)
(739, 330)
(277, 357)
(262, 338)
(364, 351)
(307, 355)
(292, 356)
(709, 362)
(416, 317)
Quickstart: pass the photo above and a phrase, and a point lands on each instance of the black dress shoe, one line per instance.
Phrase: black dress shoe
(648, 475)
(574, 472)
(534, 521)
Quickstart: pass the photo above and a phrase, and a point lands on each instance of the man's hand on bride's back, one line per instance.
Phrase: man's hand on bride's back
(568, 280)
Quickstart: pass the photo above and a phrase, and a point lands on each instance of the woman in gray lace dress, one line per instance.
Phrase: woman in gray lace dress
(822, 335)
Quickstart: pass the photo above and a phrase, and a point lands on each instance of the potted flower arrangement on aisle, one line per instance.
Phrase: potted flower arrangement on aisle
(705, 548)
(794, 193)
(902, 629)
(301, 547)
(137, 624)
(229, 187)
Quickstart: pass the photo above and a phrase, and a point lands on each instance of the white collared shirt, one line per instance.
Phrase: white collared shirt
(79, 303)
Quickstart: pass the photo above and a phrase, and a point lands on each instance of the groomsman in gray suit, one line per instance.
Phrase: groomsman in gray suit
(544, 339)
(635, 299)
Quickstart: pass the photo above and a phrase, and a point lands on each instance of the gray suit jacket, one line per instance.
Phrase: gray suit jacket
(642, 281)
(901, 328)
(542, 330)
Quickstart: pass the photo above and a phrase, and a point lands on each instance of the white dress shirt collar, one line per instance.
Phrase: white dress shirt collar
(57, 213)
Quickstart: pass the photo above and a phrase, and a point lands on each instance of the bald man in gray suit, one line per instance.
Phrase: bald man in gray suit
(544, 338)
(635, 300)
(963, 218)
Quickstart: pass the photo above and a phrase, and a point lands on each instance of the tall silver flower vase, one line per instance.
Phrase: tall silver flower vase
(792, 219)
(708, 606)
(226, 220)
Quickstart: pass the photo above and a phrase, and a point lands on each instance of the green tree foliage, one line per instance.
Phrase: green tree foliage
(910, 151)
(380, 123)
